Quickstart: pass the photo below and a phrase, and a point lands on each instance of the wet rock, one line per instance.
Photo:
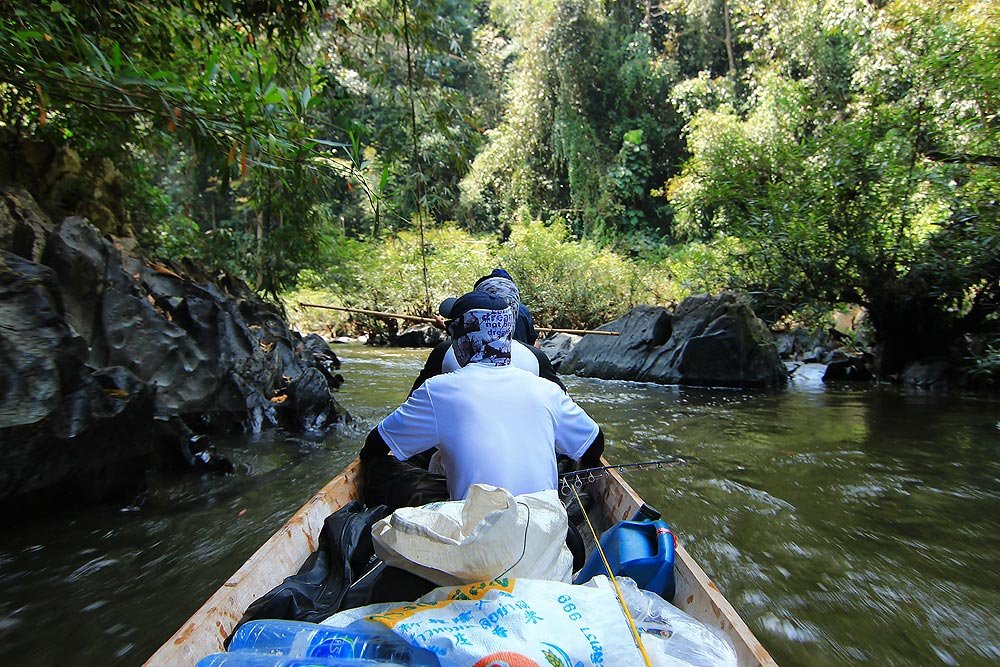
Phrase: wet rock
(844, 368)
(310, 402)
(96, 426)
(100, 348)
(323, 359)
(930, 374)
(707, 341)
(420, 335)
(37, 348)
(558, 346)
(177, 448)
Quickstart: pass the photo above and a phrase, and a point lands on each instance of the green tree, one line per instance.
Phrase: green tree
(858, 173)
(226, 88)
(410, 72)
(588, 129)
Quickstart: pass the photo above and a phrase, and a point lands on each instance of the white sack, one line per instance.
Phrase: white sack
(515, 622)
(488, 535)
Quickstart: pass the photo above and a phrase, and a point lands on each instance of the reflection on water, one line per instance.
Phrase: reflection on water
(846, 525)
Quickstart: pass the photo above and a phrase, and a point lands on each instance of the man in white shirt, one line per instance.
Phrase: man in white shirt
(493, 423)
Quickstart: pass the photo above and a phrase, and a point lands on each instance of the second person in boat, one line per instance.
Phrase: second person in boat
(493, 423)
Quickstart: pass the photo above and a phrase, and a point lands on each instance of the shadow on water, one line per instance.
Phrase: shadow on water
(847, 525)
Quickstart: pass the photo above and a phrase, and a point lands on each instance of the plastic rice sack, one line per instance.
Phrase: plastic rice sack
(513, 621)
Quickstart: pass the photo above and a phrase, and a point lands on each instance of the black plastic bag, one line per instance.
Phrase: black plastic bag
(394, 483)
(317, 591)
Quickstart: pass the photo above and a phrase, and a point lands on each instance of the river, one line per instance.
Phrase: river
(848, 525)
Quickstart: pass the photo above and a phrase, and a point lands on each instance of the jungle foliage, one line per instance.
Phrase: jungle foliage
(607, 153)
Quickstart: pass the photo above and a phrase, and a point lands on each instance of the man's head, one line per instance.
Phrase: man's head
(480, 325)
(499, 283)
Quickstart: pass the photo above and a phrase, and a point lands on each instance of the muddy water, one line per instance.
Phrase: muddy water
(847, 525)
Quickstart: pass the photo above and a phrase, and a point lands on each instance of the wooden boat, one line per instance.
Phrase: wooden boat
(287, 549)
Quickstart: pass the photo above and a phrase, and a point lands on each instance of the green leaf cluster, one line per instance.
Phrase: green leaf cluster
(857, 167)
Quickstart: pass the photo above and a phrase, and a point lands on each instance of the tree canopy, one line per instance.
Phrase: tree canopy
(811, 154)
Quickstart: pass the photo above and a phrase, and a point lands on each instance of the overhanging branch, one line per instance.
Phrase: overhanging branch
(963, 158)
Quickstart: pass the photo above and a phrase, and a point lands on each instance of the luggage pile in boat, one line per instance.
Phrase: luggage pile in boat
(538, 618)
(501, 622)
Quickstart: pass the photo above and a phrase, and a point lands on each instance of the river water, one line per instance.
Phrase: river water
(848, 525)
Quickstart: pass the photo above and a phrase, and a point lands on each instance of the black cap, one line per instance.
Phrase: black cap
(475, 301)
(445, 308)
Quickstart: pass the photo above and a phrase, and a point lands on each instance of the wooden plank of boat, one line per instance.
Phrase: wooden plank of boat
(287, 549)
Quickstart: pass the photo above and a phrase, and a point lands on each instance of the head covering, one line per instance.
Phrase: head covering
(501, 287)
(480, 329)
(498, 283)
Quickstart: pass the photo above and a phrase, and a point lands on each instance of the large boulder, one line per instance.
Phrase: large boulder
(418, 335)
(24, 228)
(99, 349)
(709, 341)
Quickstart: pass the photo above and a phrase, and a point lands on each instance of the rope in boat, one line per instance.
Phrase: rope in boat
(614, 582)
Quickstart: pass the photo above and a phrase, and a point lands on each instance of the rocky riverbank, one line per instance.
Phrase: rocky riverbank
(112, 363)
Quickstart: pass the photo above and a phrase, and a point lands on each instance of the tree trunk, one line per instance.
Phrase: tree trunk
(729, 38)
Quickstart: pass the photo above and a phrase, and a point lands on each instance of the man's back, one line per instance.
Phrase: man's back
(497, 425)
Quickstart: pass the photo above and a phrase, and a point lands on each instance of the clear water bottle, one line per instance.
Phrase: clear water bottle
(244, 659)
(296, 639)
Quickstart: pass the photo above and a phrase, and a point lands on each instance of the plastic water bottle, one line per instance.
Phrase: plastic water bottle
(296, 639)
(244, 659)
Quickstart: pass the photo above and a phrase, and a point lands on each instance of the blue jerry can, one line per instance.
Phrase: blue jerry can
(640, 550)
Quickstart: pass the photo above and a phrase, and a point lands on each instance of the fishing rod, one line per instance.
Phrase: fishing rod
(580, 477)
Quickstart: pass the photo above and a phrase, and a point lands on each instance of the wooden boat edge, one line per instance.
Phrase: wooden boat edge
(695, 594)
(204, 632)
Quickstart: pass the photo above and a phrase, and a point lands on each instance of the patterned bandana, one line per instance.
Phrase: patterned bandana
(481, 336)
(503, 288)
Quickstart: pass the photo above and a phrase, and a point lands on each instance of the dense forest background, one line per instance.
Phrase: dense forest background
(384, 153)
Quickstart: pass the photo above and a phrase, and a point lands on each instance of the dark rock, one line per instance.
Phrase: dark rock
(24, 228)
(558, 346)
(807, 346)
(708, 341)
(642, 330)
(39, 352)
(93, 430)
(179, 449)
(100, 349)
(849, 368)
(421, 335)
(930, 374)
(323, 359)
(310, 402)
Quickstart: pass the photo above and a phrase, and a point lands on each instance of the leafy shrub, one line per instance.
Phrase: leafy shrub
(391, 277)
(567, 283)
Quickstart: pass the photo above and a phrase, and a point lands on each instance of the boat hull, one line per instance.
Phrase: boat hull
(288, 548)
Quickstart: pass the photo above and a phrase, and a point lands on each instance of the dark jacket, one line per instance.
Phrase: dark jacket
(435, 359)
